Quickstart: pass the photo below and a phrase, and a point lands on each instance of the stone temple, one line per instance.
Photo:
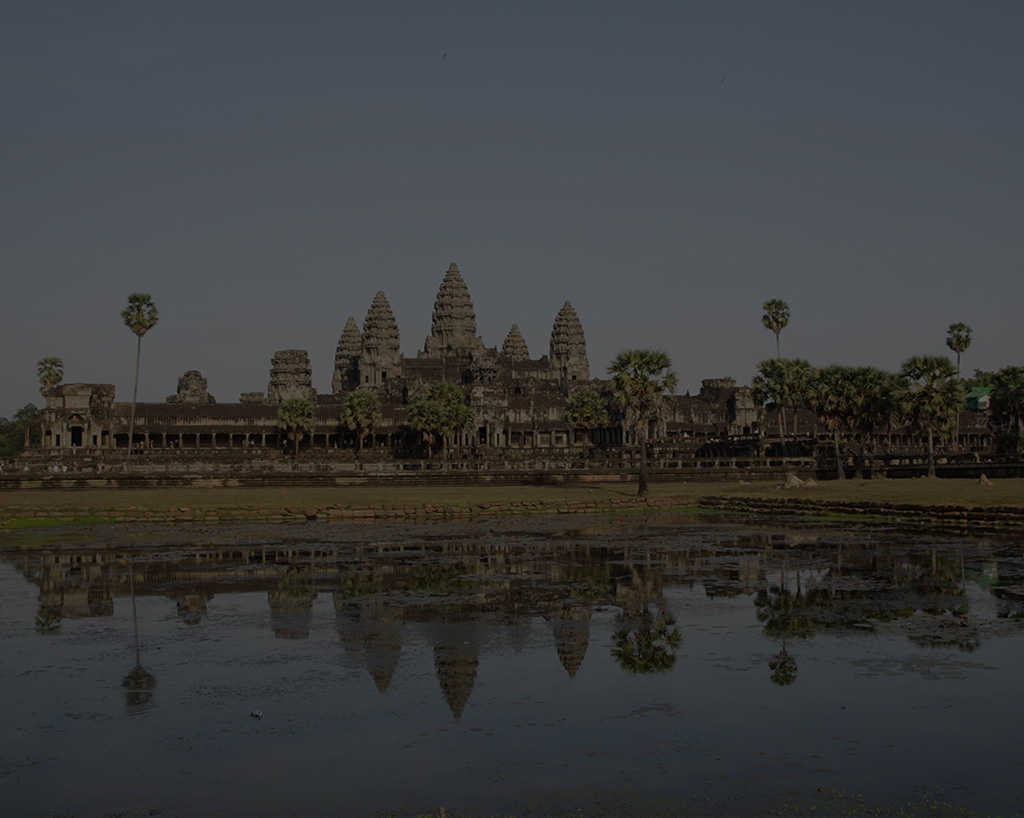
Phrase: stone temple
(519, 401)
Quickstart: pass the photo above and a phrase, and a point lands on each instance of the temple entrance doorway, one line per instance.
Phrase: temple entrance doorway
(76, 435)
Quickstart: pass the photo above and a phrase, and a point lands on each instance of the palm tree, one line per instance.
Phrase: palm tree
(775, 318)
(771, 385)
(439, 412)
(586, 410)
(27, 418)
(140, 316)
(642, 380)
(934, 396)
(298, 417)
(1008, 398)
(875, 402)
(831, 396)
(50, 372)
(361, 413)
(958, 339)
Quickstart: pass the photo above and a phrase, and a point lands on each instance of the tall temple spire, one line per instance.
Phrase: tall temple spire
(515, 345)
(453, 324)
(569, 346)
(346, 358)
(381, 355)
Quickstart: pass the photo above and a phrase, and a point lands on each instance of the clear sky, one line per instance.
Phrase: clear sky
(263, 168)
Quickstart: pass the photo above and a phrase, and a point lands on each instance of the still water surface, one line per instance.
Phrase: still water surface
(510, 666)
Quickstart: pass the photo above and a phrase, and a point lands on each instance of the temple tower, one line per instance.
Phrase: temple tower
(381, 357)
(515, 345)
(346, 359)
(291, 376)
(453, 325)
(569, 346)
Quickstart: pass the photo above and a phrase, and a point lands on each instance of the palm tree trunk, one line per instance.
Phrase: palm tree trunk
(135, 396)
(931, 454)
(839, 458)
(782, 429)
(642, 440)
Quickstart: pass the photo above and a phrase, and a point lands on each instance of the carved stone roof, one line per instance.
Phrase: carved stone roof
(291, 376)
(453, 324)
(515, 345)
(380, 330)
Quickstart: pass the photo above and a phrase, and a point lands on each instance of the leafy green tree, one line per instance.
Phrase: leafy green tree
(586, 410)
(933, 398)
(775, 318)
(140, 316)
(958, 339)
(361, 413)
(439, 412)
(298, 417)
(642, 380)
(831, 396)
(1008, 399)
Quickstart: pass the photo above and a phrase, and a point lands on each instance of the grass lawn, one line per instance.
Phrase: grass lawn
(1009, 492)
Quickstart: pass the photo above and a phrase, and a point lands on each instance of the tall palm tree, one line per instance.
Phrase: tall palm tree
(958, 339)
(934, 396)
(642, 380)
(140, 316)
(361, 413)
(298, 417)
(50, 372)
(775, 318)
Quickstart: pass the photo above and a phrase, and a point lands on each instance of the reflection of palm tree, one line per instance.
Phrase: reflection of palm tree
(48, 619)
(644, 644)
(139, 684)
(783, 668)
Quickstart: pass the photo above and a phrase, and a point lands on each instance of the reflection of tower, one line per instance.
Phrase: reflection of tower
(517, 630)
(571, 628)
(291, 607)
(456, 659)
(191, 607)
(374, 629)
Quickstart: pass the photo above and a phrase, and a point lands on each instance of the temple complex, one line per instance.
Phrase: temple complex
(519, 402)
(518, 406)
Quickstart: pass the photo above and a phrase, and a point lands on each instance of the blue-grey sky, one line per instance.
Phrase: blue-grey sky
(263, 168)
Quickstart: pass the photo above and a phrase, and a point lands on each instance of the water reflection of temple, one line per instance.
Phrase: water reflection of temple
(460, 593)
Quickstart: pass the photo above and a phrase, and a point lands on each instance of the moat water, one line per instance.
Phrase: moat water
(514, 666)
